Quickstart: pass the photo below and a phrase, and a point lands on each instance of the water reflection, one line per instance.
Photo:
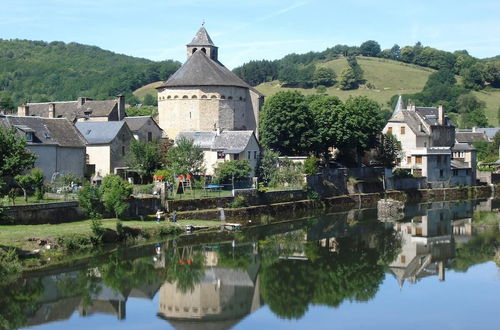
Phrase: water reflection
(290, 267)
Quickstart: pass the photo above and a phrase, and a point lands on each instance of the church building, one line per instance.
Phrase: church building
(203, 95)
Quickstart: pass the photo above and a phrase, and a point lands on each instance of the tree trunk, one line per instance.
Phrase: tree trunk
(25, 193)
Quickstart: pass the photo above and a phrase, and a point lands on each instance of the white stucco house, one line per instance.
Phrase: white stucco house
(58, 145)
(219, 147)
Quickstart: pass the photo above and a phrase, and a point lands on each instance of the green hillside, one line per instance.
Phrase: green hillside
(387, 78)
(41, 71)
(147, 89)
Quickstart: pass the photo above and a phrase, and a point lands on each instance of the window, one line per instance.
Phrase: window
(438, 159)
(408, 159)
(150, 136)
(418, 159)
(402, 130)
(236, 156)
(220, 155)
(29, 137)
(123, 150)
(255, 155)
(441, 173)
(389, 129)
(249, 154)
(455, 172)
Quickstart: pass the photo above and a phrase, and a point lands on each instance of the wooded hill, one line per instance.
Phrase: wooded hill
(39, 71)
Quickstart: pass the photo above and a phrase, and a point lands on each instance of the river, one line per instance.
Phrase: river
(434, 268)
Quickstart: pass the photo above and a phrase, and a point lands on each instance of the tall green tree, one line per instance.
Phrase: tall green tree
(287, 125)
(370, 48)
(144, 157)
(324, 76)
(389, 150)
(185, 157)
(114, 193)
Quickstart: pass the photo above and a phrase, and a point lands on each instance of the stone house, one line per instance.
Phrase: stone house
(107, 145)
(144, 128)
(57, 144)
(203, 95)
(427, 137)
(219, 147)
(83, 109)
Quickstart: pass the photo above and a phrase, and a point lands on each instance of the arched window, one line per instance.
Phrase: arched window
(185, 97)
(176, 97)
(213, 96)
(241, 99)
(203, 96)
(169, 97)
(194, 49)
(194, 97)
(204, 50)
(222, 97)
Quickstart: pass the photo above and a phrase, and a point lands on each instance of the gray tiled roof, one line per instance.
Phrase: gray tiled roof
(99, 132)
(462, 147)
(200, 70)
(458, 164)
(229, 141)
(201, 39)
(51, 131)
(489, 131)
(470, 137)
(137, 122)
(73, 110)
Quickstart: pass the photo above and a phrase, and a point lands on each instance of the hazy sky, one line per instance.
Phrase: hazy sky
(254, 29)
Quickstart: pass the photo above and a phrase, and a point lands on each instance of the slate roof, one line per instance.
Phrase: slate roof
(99, 132)
(425, 116)
(489, 131)
(137, 122)
(48, 131)
(201, 39)
(470, 137)
(228, 141)
(200, 70)
(458, 164)
(462, 147)
(73, 110)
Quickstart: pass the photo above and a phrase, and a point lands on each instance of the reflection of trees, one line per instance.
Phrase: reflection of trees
(122, 275)
(351, 272)
(239, 256)
(82, 285)
(15, 299)
(185, 267)
(479, 249)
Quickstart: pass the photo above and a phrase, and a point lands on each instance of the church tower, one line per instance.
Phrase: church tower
(202, 42)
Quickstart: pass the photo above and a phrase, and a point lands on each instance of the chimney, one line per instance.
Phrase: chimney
(23, 110)
(120, 101)
(440, 115)
(52, 110)
(81, 101)
(412, 107)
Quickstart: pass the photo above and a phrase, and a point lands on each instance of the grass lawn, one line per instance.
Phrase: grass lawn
(147, 89)
(32, 200)
(18, 235)
(492, 100)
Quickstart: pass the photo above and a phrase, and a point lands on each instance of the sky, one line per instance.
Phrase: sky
(254, 29)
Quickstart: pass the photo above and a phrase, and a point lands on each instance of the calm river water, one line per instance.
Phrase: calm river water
(431, 270)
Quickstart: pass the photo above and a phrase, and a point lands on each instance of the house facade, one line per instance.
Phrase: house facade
(83, 109)
(203, 95)
(58, 145)
(427, 138)
(144, 128)
(219, 147)
(107, 145)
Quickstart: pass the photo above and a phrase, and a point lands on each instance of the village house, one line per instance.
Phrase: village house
(107, 145)
(203, 95)
(427, 139)
(57, 144)
(83, 109)
(144, 128)
(219, 147)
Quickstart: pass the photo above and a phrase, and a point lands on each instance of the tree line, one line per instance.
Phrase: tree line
(476, 73)
(38, 71)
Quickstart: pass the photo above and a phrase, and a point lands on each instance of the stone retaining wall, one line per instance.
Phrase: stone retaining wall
(43, 213)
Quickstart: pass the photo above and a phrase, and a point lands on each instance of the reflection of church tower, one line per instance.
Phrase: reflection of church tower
(204, 95)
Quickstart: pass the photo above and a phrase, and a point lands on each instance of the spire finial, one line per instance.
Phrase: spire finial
(203, 23)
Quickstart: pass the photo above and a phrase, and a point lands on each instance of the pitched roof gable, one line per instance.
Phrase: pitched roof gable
(100, 132)
(73, 110)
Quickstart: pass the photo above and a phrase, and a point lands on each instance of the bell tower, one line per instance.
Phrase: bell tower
(202, 42)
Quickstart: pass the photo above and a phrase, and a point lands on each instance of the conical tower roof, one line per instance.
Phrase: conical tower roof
(201, 39)
(399, 105)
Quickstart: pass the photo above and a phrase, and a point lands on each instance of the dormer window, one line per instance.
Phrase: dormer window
(29, 137)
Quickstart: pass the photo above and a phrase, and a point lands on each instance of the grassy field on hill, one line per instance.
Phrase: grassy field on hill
(147, 89)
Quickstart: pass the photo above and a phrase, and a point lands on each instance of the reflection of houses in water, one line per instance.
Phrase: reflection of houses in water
(428, 234)
(61, 298)
(220, 300)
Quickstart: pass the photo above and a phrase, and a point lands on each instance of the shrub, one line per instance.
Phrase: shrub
(89, 198)
(74, 242)
(233, 169)
(239, 201)
(114, 192)
(97, 231)
(10, 268)
(311, 165)
(401, 173)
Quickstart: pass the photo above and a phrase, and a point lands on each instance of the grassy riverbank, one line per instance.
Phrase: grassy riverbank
(26, 237)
